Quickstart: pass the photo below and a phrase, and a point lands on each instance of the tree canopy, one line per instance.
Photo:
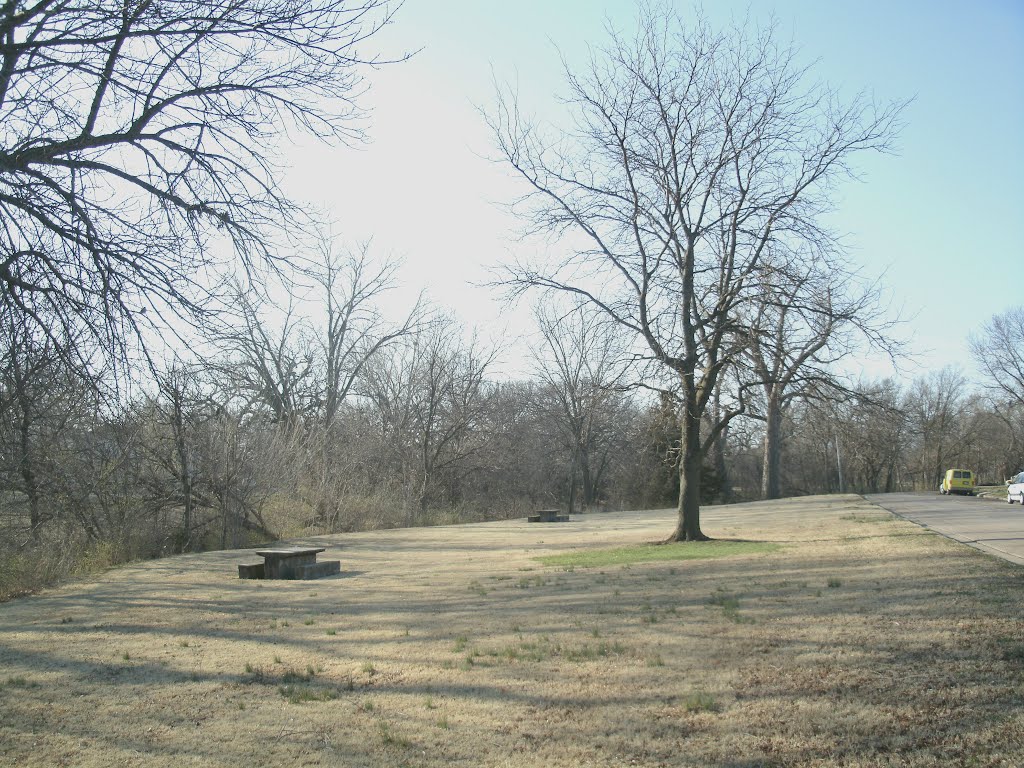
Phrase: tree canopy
(135, 133)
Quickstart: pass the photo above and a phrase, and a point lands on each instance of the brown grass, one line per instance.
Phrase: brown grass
(862, 641)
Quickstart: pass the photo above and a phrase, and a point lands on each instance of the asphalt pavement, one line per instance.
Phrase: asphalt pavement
(990, 525)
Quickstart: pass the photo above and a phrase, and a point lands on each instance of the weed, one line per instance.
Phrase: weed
(277, 660)
(67, 619)
(366, 706)
(299, 694)
(727, 602)
(390, 738)
(730, 605)
(127, 656)
(369, 669)
(332, 632)
(544, 649)
(308, 622)
(294, 676)
(656, 661)
(183, 643)
(589, 652)
(834, 583)
(443, 724)
(21, 682)
(531, 581)
(258, 675)
(477, 587)
(460, 644)
(701, 702)
(429, 703)
(1013, 651)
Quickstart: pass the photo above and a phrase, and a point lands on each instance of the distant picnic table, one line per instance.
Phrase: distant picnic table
(289, 563)
(548, 516)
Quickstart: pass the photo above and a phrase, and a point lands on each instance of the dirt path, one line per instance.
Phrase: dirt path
(864, 640)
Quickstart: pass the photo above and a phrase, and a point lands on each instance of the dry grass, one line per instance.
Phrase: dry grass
(860, 641)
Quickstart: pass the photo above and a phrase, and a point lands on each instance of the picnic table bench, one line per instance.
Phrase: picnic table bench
(289, 563)
(548, 516)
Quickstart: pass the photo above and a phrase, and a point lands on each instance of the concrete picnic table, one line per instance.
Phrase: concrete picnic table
(289, 563)
(548, 516)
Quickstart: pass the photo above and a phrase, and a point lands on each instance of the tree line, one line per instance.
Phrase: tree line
(284, 429)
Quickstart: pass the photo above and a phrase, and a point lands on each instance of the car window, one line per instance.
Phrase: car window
(957, 473)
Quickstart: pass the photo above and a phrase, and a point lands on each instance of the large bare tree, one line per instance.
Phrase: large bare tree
(692, 154)
(137, 134)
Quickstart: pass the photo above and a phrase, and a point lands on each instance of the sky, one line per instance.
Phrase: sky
(940, 220)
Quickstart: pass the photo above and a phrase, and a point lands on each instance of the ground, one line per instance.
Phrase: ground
(860, 640)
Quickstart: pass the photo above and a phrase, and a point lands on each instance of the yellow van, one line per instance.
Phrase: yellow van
(958, 481)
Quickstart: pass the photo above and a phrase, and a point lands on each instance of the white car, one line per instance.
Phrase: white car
(1015, 489)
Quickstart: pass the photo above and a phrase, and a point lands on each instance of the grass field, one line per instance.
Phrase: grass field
(832, 634)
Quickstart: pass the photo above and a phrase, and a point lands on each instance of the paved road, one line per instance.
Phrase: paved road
(992, 526)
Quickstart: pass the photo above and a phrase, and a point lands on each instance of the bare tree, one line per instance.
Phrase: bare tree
(429, 395)
(936, 408)
(872, 428)
(580, 362)
(269, 360)
(811, 315)
(182, 408)
(695, 155)
(999, 353)
(41, 397)
(353, 328)
(136, 135)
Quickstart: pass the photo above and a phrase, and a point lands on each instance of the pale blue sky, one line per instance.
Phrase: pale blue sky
(943, 217)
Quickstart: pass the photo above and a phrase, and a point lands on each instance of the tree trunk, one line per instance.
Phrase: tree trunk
(771, 484)
(691, 460)
(721, 441)
(185, 465)
(572, 480)
(587, 481)
(28, 475)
